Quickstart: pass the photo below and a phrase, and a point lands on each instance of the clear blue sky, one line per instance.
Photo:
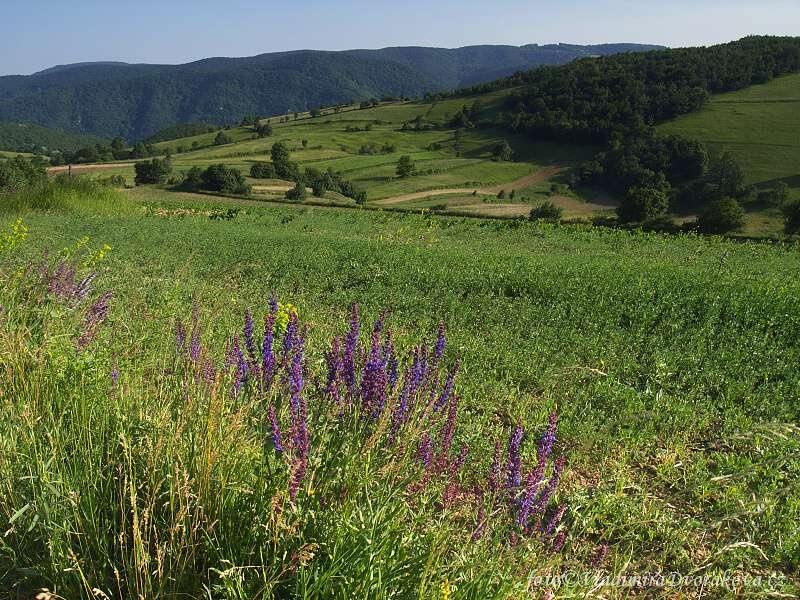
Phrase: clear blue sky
(35, 34)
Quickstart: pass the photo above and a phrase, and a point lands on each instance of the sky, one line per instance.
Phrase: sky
(36, 34)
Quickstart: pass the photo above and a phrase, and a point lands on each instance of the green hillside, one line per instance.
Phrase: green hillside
(136, 100)
(760, 126)
(27, 137)
(364, 145)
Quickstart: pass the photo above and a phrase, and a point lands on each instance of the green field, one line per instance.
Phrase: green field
(758, 125)
(439, 167)
(671, 362)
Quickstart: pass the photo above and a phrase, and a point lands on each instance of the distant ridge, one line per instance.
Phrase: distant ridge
(134, 101)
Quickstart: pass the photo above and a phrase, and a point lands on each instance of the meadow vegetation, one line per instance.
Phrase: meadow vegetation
(153, 446)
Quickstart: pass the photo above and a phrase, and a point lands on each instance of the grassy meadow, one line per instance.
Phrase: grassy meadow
(137, 463)
(758, 125)
(442, 172)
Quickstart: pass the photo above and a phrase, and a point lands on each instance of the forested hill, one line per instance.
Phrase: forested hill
(590, 100)
(134, 101)
(24, 137)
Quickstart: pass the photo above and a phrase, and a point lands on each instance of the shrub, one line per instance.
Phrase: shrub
(18, 173)
(193, 178)
(297, 193)
(262, 170)
(642, 204)
(405, 167)
(503, 152)
(791, 217)
(546, 212)
(227, 180)
(264, 130)
(155, 170)
(222, 139)
(721, 216)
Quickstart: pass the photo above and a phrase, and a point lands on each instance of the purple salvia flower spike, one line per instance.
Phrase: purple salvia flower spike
(514, 464)
(276, 430)
(438, 350)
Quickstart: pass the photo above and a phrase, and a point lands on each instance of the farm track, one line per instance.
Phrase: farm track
(541, 175)
(89, 167)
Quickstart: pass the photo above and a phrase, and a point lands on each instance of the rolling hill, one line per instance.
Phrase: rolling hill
(758, 125)
(27, 137)
(135, 101)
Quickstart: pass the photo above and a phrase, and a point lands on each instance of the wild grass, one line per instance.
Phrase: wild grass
(671, 362)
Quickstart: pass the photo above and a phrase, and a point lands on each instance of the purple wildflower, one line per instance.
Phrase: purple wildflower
(267, 356)
(335, 368)
(249, 342)
(480, 527)
(438, 350)
(392, 364)
(209, 372)
(94, 318)
(425, 451)
(373, 380)
(448, 388)
(555, 519)
(299, 422)
(547, 493)
(514, 464)
(114, 374)
(276, 430)
(400, 413)
(600, 556)
(240, 375)
(549, 437)
(558, 543)
(448, 430)
(84, 288)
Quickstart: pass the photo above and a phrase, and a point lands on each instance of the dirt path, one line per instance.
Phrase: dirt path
(90, 167)
(542, 174)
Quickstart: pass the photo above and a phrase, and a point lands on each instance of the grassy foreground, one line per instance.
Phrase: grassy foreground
(136, 468)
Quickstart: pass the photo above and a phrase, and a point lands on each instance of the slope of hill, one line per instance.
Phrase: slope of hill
(27, 137)
(134, 101)
(758, 125)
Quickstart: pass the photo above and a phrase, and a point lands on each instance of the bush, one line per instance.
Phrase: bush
(405, 167)
(642, 204)
(262, 170)
(264, 130)
(222, 139)
(721, 216)
(297, 193)
(219, 178)
(193, 178)
(156, 170)
(18, 173)
(503, 152)
(546, 212)
(791, 217)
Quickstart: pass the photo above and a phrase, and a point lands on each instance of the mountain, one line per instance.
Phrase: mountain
(136, 100)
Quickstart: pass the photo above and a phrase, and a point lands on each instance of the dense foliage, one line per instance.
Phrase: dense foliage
(227, 180)
(616, 100)
(182, 130)
(155, 170)
(35, 139)
(18, 173)
(136, 101)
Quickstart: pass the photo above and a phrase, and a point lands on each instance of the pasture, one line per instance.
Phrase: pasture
(671, 363)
